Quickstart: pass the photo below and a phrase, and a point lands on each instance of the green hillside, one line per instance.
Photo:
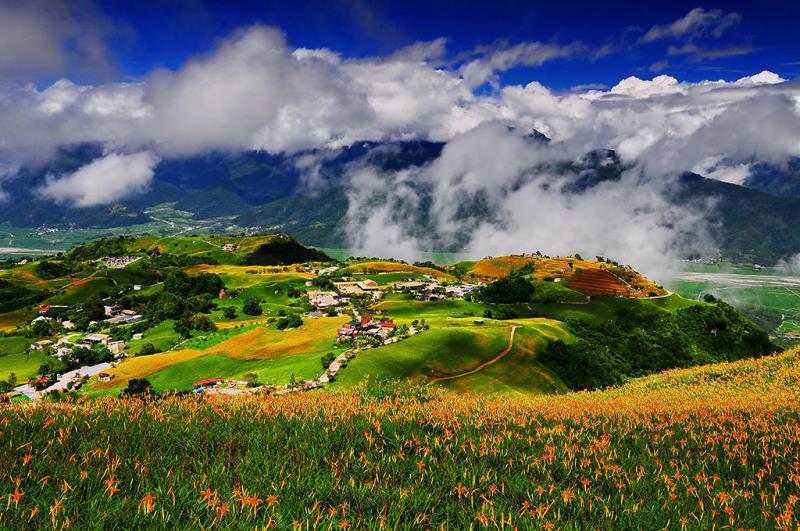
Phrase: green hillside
(238, 309)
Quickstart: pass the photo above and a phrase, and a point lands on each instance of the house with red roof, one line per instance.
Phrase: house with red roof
(208, 382)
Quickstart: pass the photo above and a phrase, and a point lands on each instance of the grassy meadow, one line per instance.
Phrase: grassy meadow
(701, 448)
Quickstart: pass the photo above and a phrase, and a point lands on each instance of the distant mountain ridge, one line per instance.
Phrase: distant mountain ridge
(754, 223)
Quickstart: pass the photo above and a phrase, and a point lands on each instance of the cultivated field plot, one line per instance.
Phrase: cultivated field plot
(273, 355)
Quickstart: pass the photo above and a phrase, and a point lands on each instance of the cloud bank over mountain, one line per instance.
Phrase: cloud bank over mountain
(254, 91)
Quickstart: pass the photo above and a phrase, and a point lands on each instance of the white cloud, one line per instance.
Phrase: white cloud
(764, 77)
(255, 91)
(638, 88)
(715, 168)
(481, 70)
(498, 170)
(104, 180)
(696, 22)
(790, 265)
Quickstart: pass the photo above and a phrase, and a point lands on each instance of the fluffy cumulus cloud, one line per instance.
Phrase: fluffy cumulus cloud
(104, 180)
(255, 91)
(493, 169)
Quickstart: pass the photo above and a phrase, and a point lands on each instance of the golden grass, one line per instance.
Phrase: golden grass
(259, 343)
(498, 267)
(390, 267)
(143, 366)
(10, 320)
(273, 272)
(266, 343)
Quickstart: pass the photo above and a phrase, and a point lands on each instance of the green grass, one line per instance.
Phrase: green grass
(436, 352)
(402, 306)
(91, 289)
(279, 370)
(14, 345)
(518, 373)
(384, 279)
(162, 336)
(15, 358)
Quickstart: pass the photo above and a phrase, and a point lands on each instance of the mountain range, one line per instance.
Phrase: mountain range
(757, 221)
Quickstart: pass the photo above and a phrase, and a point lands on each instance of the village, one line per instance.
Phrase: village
(350, 296)
(360, 333)
(66, 344)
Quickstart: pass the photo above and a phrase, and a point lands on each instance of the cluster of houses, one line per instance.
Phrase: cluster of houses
(119, 261)
(326, 299)
(224, 387)
(366, 327)
(343, 291)
(424, 290)
(116, 314)
(64, 346)
(229, 247)
(358, 288)
(431, 290)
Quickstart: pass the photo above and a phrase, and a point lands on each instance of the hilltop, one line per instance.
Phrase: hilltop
(265, 314)
(603, 276)
(695, 448)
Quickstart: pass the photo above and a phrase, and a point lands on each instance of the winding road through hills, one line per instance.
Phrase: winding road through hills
(484, 364)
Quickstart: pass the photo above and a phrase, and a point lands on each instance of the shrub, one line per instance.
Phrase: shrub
(252, 306)
(148, 349)
(138, 387)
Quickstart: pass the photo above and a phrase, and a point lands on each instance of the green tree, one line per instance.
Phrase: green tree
(252, 306)
(229, 312)
(183, 329)
(148, 349)
(138, 387)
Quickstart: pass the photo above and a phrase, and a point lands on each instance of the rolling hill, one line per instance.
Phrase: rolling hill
(227, 307)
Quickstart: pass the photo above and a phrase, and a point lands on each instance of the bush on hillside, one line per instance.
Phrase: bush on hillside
(283, 250)
(48, 270)
(508, 290)
(138, 387)
(252, 306)
(14, 297)
(290, 321)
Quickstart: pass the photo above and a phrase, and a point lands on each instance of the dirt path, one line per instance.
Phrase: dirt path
(484, 364)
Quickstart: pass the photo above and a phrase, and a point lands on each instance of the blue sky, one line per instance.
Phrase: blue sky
(757, 36)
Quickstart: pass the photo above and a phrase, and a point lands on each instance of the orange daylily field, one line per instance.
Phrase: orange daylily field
(709, 447)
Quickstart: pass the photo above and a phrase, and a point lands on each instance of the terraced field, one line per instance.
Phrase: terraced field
(596, 282)
(589, 277)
